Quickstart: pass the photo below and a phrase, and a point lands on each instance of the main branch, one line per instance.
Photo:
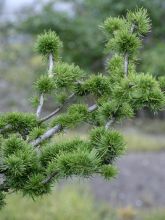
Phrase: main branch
(48, 134)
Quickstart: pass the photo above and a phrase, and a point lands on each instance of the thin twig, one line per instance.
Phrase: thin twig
(49, 178)
(57, 110)
(51, 114)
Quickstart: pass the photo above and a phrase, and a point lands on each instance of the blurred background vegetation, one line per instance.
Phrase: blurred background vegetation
(78, 23)
(83, 40)
(72, 203)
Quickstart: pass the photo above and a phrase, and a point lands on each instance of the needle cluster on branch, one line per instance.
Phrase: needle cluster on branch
(31, 158)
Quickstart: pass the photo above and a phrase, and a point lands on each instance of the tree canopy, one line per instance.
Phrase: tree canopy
(32, 158)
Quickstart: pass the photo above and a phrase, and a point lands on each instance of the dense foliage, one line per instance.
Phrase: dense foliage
(31, 160)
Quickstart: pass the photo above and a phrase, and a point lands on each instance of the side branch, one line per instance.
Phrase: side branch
(126, 55)
(50, 70)
(39, 108)
(126, 62)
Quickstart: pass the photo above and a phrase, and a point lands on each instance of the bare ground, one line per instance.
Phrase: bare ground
(140, 183)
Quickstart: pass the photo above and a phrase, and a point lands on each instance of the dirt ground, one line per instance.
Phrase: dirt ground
(140, 183)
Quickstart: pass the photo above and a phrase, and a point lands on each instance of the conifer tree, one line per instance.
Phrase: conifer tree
(31, 158)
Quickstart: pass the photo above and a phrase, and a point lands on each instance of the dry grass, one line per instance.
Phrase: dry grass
(71, 203)
(139, 142)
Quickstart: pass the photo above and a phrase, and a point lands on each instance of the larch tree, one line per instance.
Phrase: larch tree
(32, 159)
